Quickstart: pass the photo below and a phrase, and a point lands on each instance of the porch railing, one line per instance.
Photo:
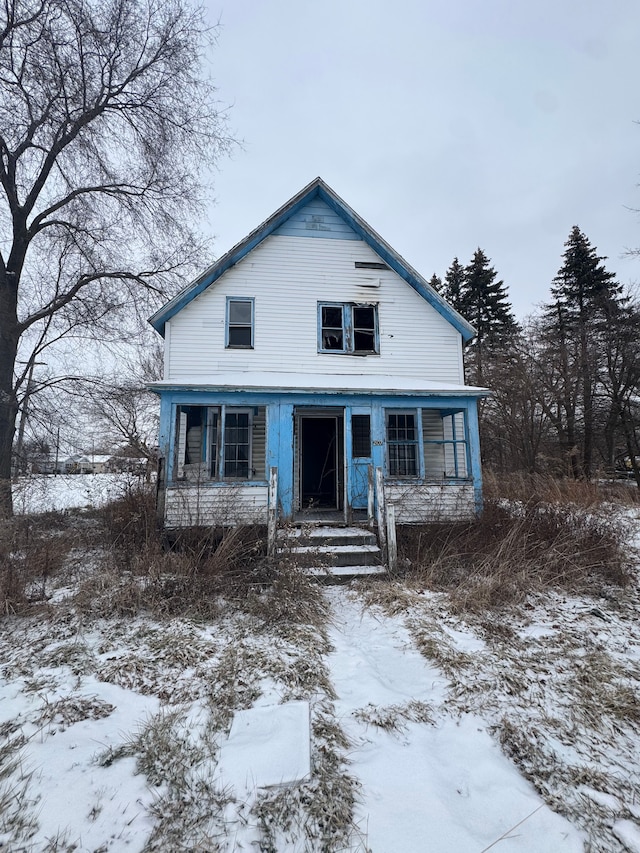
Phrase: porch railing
(272, 512)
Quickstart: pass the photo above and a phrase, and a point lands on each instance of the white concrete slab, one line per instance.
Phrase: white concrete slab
(267, 746)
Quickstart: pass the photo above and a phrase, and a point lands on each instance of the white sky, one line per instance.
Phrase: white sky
(446, 124)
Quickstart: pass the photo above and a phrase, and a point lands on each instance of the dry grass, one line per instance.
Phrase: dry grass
(533, 488)
(32, 552)
(517, 549)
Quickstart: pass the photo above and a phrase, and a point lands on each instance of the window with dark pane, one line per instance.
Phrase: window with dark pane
(364, 328)
(361, 436)
(348, 328)
(402, 444)
(236, 445)
(240, 323)
(332, 327)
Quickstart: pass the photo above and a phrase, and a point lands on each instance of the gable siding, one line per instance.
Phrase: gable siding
(316, 219)
(287, 277)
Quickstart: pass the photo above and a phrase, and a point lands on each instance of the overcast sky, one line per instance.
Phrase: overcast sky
(446, 124)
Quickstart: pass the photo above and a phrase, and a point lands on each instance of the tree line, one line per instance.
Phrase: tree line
(566, 382)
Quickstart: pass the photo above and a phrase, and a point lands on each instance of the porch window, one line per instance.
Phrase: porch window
(445, 444)
(348, 328)
(237, 445)
(402, 444)
(240, 316)
(220, 443)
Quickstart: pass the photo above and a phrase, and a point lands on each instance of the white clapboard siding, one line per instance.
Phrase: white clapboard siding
(199, 505)
(287, 277)
(429, 503)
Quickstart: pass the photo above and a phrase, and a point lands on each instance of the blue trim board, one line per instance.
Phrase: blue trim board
(316, 189)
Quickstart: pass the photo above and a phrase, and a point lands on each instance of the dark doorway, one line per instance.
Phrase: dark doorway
(319, 463)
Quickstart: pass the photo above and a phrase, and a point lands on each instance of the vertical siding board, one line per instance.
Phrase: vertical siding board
(317, 219)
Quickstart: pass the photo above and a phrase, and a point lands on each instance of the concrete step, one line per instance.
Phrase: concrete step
(346, 572)
(337, 555)
(333, 552)
(320, 536)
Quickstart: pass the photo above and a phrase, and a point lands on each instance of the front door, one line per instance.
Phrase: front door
(319, 462)
(360, 459)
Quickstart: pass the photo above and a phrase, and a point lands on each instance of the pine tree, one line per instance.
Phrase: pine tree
(484, 302)
(584, 296)
(454, 284)
(436, 283)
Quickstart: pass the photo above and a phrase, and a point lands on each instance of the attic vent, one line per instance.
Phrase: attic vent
(370, 265)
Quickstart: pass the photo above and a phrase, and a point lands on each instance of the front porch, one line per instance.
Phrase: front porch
(333, 453)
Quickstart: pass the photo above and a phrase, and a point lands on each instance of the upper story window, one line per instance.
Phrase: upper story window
(240, 323)
(348, 328)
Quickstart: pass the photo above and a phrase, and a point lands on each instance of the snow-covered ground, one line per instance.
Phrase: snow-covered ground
(515, 731)
(49, 493)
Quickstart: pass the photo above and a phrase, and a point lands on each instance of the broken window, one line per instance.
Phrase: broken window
(239, 323)
(402, 444)
(348, 328)
(332, 328)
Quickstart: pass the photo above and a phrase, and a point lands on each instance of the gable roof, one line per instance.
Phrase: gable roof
(316, 189)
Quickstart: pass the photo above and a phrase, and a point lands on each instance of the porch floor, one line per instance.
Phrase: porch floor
(330, 517)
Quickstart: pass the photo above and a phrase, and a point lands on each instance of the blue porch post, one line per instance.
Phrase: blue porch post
(474, 452)
(280, 453)
(164, 431)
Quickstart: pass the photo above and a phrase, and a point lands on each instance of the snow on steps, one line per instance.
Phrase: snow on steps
(333, 552)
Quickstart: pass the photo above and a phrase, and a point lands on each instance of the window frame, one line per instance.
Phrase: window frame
(348, 328)
(237, 410)
(416, 443)
(228, 325)
(213, 460)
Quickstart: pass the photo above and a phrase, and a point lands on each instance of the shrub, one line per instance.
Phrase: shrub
(32, 551)
(188, 571)
(516, 549)
(531, 488)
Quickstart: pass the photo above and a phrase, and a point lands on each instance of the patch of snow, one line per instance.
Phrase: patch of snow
(440, 787)
(607, 800)
(49, 493)
(465, 641)
(78, 800)
(628, 833)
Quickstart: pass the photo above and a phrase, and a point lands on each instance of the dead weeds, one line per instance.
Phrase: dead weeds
(514, 550)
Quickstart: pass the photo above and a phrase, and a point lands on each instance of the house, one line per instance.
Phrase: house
(309, 371)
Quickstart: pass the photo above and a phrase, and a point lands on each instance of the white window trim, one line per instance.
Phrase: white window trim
(251, 300)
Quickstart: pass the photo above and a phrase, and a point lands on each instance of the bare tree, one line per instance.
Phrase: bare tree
(122, 409)
(515, 426)
(106, 125)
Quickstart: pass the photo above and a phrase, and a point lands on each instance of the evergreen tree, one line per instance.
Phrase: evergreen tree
(436, 283)
(454, 284)
(585, 296)
(483, 301)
